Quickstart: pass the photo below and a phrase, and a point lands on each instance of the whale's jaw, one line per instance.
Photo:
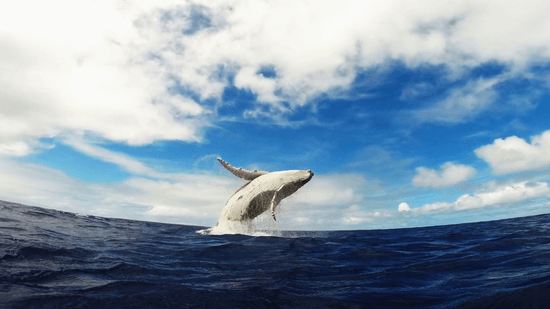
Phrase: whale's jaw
(309, 177)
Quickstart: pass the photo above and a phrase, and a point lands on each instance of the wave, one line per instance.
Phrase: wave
(52, 259)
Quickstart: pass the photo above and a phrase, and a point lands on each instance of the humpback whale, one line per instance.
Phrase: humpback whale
(263, 191)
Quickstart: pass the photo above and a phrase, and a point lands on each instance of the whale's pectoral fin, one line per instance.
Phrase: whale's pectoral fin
(241, 173)
(275, 202)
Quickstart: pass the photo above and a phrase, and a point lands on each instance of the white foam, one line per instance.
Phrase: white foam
(249, 228)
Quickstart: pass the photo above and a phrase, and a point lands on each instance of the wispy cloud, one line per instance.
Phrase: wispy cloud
(382, 160)
(336, 190)
(192, 199)
(127, 163)
(462, 104)
(354, 215)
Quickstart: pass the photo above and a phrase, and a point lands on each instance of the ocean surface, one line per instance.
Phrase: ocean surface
(54, 259)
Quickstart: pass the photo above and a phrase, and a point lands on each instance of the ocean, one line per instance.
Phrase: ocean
(55, 259)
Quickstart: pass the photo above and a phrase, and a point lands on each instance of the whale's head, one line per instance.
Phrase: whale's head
(293, 180)
(306, 176)
(296, 177)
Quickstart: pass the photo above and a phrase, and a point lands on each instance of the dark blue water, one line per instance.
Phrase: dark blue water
(53, 259)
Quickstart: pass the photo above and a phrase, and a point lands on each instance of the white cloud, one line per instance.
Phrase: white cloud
(127, 163)
(354, 215)
(510, 194)
(461, 104)
(14, 149)
(175, 197)
(403, 207)
(192, 199)
(333, 203)
(330, 201)
(121, 79)
(335, 190)
(63, 71)
(449, 175)
(514, 154)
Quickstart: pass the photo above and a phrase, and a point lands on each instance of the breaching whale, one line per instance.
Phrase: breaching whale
(263, 191)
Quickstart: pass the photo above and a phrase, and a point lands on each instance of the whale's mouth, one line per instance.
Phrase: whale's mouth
(308, 179)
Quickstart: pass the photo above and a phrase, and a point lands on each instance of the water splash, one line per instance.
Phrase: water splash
(262, 225)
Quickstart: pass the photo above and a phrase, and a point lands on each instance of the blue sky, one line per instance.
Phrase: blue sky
(409, 114)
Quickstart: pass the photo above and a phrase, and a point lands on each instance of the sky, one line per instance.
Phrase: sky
(410, 113)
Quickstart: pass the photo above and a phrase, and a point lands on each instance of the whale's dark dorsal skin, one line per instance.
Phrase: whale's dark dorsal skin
(241, 173)
(264, 191)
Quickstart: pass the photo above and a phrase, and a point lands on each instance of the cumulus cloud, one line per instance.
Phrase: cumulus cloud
(130, 78)
(62, 71)
(511, 194)
(450, 174)
(315, 47)
(514, 154)
(403, 207)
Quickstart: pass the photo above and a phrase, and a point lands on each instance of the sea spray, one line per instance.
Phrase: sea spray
(262, 225)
